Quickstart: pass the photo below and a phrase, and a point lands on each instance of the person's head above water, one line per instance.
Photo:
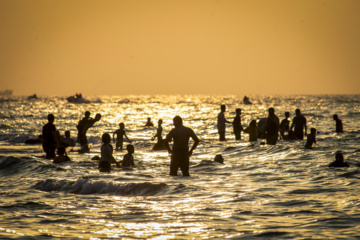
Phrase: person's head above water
(339, 157)
(313, 131)
(287, 114)
(238, 111)
(335, 117)
(177, 121)
(223, 108)
(61, 151)
(297, 112)
(106, 138)
(253, 123)
(67, 133)
(121, 125)
(51, 118)
(160, 121)
(271, 111)
(87, 114)
(130, 148)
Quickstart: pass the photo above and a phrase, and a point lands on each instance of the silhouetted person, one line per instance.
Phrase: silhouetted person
(311, 139)
(285, 126)
(339, 161)
(237, 124)
(262, 124)
(160, 143)
(180, 154)
(62, 157)
(50, 139)
(221, 123)
(128, 159)
(219, 158)
(339, 126)
(299, 122)
(253, 130)
(149, 123)
(246, 100)
(84, 125)
(106, 154)
(120, 136)
(67, 141)
(272, 127)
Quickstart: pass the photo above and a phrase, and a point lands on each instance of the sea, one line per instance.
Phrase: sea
(260, 192)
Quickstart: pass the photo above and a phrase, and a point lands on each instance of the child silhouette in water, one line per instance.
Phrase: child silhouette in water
(128, 160)
(339, 161)
(120, 136)
(311, 139)
(62, 157)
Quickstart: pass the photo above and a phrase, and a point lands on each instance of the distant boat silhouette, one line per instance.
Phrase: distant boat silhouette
(77, 99)
(6, 93)
(247, 101)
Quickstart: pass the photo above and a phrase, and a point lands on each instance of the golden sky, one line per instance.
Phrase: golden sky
(60, 47)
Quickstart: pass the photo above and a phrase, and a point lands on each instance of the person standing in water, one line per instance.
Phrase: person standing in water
(50, 137)
(221, 123)
(84, 125)
(159, 145)
(237, 124)
(272, 127)
(285, 126)
(339, 126)
(120, 136)
(299, 122)
(180, 154)
(311, 139)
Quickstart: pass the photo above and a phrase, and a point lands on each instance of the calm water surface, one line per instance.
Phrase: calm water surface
(261, 192)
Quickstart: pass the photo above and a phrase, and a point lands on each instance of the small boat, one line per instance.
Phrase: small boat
(32, 97)
(247, 101)
(77, 99)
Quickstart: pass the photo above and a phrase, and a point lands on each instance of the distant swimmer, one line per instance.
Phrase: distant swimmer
(62, 157)
(67, 141)
(285, 126)
(299, 122)
(180, 154)
(311, 139)
(221, 123)
(272, 127)
(149, 123)
(339, 161)
(160, 143)
(50, 138)
(237, 127)
(120, 133)
(339, 126)
(84, 125)
(106, 154)
(128, 159)
(219, 158)
(253, 130)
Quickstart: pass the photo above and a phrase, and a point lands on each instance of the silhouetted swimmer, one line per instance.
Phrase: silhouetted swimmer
(237, 124)
(120, 136)
(128, 159)
(262, 124)
(299, 121)
(149, 123)
(84, 125)
(253, 130)
(67, 141)
(106, 154)
(339, 161)
(51, 141)
(285, 126)
(219, 158)
(62, 157)
(272, 128)
(311, 139)
(221, 123)
(160, 143)
(180, 153)
(246, 100)
(339, 126)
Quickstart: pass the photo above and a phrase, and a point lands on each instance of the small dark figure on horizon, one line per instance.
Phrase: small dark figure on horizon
(221, 123)
(50, 138)
(253, 130)
(339, 161)
(160, 142)
(299, 122)
(237, 124)
(62, 157)
(149, 123)
(128, 159)
(120, 136)
(272, 128)
(339, 126)
(285, 126)
(311, 139)
(180, 154)
(84, 125)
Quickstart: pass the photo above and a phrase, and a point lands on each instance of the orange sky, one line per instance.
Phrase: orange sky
(61, 47)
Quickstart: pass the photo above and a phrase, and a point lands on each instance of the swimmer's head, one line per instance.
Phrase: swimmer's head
(177, 121)
(335, 117)
(223, 108)
(297, 112)
(106, 138)
(121, 125)
(51, 118)
(160, 121)
(61, 151)
(238, 111)
(339, 157)
(130, 148)
(271, 111)
(87, 114)
(287, 114)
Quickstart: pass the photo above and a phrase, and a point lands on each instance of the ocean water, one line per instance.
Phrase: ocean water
(261, 192)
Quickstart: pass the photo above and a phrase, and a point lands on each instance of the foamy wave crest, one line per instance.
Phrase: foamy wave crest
(85, 186)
